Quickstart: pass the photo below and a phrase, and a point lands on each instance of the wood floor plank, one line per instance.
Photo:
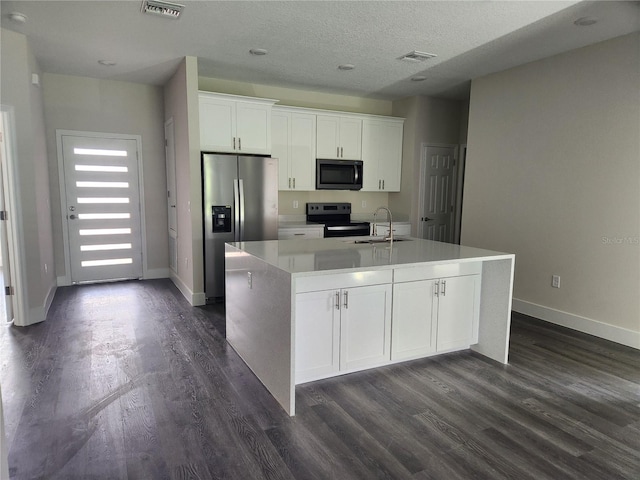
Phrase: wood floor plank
(127, 380)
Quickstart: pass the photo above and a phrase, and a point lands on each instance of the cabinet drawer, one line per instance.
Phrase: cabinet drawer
(342, 280)
(301, 233)
(425, 272)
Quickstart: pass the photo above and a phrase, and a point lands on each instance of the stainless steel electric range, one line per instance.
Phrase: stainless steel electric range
(336, 218)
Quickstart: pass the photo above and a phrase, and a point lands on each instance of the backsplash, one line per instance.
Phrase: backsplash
(371, 200)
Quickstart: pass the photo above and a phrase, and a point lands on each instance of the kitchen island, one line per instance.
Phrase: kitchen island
(303, 310)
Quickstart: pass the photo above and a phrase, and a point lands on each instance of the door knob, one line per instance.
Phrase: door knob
(72, 217)
(426, 219)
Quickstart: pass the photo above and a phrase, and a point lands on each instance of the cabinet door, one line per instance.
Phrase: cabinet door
(280, 130)
(458, 312)
(382, 155)
(302, 159)
(390, 156)
(413, 322)
(317, 326)
(253, 128)
(365, 338)
(217, 125)
(350, 138)
(328, 136)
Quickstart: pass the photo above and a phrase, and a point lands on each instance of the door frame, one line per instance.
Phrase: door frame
(14, 228)
(66, 279)
(422, 191)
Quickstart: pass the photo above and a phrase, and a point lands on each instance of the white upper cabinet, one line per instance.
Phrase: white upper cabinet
(382, 154)
(293, 143)
(339, 137)
(235, 124)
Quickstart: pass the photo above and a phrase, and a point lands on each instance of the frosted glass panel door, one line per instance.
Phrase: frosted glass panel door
(102, 208)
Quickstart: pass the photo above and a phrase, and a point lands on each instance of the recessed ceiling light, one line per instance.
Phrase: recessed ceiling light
(258, 52)
(346, 66)
(585, 21)
(418, 78)
(107, 63)
(18, 17)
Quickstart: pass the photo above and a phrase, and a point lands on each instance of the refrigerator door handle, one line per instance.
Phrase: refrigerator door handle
(241, 197)
(236, 210)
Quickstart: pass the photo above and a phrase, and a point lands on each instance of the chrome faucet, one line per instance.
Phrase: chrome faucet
(390, 222)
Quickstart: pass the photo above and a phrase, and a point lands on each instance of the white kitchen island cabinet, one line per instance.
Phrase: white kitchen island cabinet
(351, 306)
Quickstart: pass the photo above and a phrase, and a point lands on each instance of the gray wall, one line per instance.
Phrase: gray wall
(181, 104)
(553, 175)
(428, 120)
(106, 106)
(33, 222)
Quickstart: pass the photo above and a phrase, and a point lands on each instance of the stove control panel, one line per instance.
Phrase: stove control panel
(328, 209)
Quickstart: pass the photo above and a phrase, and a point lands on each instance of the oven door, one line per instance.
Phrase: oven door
(349, 230)
(338, 174)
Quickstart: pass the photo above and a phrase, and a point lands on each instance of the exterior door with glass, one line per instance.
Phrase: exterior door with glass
(102, 207)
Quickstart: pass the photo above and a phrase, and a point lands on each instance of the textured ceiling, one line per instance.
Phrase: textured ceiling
(307, 40)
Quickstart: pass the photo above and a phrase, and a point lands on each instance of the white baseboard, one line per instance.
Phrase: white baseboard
(620, 335)
(194, 299)
(49, 300)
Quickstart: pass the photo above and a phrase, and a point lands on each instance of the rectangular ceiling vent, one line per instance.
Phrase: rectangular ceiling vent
(164, 9)
(417, 56)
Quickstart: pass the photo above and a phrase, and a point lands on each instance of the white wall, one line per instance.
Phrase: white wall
(33, 220)
(107, 106)
(553, 175)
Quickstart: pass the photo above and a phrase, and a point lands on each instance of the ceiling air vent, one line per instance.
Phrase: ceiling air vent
(164, 9)
(417, 56)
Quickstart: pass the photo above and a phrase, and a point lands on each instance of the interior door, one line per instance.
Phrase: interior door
(5, 266)
(172, 199)
(102, 208)
(437, 193)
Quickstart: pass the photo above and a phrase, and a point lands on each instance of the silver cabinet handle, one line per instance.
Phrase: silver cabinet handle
(444, 288)
(338, 152)
(294, 182)
(337, 300)
(289, 182)
(436, 288)
(383, 184)
(239, 143)
(342, 152)
(234, 143)
(346, 299)
(379, 184)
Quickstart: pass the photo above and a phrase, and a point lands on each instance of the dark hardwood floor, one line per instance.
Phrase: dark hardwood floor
(127, 381)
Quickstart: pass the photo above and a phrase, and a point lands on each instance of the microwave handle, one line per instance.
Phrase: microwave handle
(355, 169)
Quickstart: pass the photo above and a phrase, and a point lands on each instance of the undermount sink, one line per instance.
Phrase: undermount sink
(380, 240)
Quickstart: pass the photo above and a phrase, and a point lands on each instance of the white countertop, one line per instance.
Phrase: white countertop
(312, 256)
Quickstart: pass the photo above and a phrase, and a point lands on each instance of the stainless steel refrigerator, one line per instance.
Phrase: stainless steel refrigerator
(240, 200)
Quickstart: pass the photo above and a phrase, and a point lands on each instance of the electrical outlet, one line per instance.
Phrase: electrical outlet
(250, 280)
(364, 204)
(295, 204)
(555, 281)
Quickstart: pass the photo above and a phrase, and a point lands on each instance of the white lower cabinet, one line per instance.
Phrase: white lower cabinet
(414, 326)
(342, 330)
(435, 315)
(458, 312)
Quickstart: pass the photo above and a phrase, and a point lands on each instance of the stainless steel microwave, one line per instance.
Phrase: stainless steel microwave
(338, 174)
